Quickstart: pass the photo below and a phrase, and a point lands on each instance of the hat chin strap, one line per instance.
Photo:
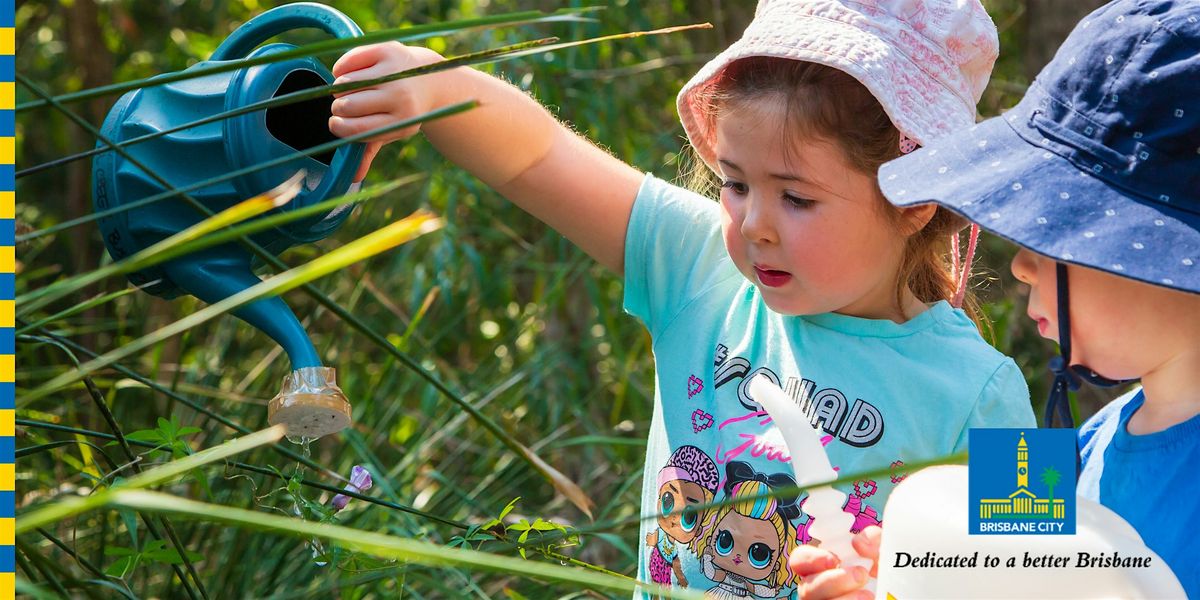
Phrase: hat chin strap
(1067, 377)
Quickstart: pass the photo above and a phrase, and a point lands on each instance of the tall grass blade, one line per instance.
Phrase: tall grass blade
(385, 545)
(443, 112)
(65, 509)
(402, 34)
(369, 245)
(216, 230)
(252, 207)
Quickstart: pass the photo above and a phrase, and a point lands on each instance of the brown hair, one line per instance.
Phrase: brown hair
(826, 103)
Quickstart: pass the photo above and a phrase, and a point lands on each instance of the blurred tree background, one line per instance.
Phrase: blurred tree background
(503, 311)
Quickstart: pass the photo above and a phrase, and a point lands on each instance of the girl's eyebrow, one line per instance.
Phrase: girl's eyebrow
(781, 176)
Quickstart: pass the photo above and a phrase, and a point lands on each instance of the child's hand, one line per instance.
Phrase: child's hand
(373, 107)
(824, 579)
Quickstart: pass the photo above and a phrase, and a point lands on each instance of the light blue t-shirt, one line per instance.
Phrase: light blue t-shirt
(1150, 480)
(883, 393)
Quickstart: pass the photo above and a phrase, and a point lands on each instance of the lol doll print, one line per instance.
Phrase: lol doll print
(744, 546)
(689, 478)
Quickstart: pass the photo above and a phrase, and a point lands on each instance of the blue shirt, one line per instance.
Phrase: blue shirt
(882, 393)
(1150, 480)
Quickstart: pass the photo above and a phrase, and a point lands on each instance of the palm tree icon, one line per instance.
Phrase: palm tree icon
(1050, 476)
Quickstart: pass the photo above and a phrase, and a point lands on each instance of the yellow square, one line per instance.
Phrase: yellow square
(8, 368)
(8, 205)
(8, 150)
(7, 313)
(8, 585)
(8, 40)
(8, 479)
(7, 425)
(8, 259)
(8, 532)
(8, 95)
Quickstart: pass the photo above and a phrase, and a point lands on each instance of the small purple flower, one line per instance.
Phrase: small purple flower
(360, 481)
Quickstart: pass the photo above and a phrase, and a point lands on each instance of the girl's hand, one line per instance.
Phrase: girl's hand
(377, 106)
(823, 578)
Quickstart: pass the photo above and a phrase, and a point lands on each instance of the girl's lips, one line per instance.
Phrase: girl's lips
(1043, 325)
(771, 277)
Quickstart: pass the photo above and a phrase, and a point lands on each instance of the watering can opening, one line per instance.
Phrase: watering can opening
(302, 125)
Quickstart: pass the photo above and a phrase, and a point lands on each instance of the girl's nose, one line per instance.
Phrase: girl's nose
(757, 223)
(1024, 267)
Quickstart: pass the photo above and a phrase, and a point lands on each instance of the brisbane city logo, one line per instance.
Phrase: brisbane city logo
(1022, 481)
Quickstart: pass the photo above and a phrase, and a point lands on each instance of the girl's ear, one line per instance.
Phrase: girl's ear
(915, 218)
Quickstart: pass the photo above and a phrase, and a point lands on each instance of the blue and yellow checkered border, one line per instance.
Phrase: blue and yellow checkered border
(8, 260)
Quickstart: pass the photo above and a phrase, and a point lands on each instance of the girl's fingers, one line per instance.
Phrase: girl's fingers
(368, 156)
(807, 560)
(363, 103)
(344, 127)
(358, 58)
(835, 583)
(866, 544)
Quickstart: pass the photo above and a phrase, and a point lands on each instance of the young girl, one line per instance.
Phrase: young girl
(801, 273)
(1096, 175)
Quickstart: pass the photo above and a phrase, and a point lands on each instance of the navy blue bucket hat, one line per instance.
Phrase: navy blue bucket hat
(1099, 164)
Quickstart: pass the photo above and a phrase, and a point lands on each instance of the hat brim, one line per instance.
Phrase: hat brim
(1039, 200)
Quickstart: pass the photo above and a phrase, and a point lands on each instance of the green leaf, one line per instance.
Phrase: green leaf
(158, 551)
(131, 522)
(507, 509)
(123, 567)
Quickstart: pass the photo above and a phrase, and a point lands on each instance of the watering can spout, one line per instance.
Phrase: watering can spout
(309, 403)
(213, 279)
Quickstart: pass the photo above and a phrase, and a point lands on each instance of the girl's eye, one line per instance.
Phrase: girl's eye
(759, 555)
(734, 186)
(724, 542)
(668, 503)
(688, 519)
(798, 202)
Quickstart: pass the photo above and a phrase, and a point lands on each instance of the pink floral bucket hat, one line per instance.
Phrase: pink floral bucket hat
(926, 61)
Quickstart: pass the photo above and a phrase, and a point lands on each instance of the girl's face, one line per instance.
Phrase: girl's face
(745, 546)
(1120, 328)
(674, 496)
(803, 225)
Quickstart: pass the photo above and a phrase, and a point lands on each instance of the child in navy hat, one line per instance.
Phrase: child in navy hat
(1096, 175)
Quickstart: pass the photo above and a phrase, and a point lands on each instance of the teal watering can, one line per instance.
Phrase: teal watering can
(310, 403)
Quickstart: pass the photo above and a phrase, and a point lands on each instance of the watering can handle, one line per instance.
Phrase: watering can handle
(269, 24)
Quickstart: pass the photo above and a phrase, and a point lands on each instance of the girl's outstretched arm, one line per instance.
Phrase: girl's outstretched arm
(510, 142)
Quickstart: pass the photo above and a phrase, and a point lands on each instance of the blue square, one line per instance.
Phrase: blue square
(8, 450)
(8, 395)
(8, 177)
(8, 68)
(8, 232)
(1021, 481)
(8, 123)
(8, 559)
(8, 286)
(8, 504)
(8, 340)
(8, 13)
